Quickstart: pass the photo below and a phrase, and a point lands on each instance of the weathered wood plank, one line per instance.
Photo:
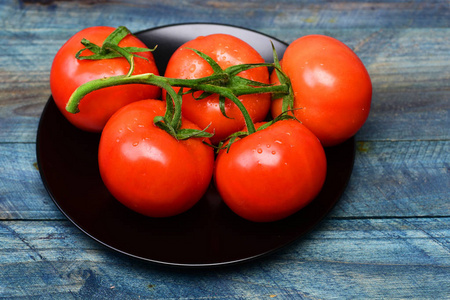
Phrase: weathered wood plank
(398, 179)
(22, 194)
(411, 79)
(261, 14)
(410, 100)
(406, 55)
(389, 236)
(389, 179)
(394, 259)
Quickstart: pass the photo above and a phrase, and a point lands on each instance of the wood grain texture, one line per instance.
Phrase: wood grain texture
(394, 259)
(22, 194)
(388, 237)
(398, 179)
(401, 179)
(409, 64)
(253, 14)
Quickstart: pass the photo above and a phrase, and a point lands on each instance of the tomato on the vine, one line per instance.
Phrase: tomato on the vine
(272, 173)
(68, 73)
(332, 88)
(227, 51)
(147, 169)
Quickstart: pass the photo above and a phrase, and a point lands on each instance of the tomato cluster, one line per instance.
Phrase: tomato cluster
(157, 154)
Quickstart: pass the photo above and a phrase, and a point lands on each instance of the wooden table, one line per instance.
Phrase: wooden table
(388, 237)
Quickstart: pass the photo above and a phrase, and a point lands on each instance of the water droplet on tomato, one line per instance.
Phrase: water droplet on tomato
(259, 150)
(274, 152)
(135, 144)
(268, 145)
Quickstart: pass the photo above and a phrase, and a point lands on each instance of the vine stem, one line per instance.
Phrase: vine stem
(214, 84)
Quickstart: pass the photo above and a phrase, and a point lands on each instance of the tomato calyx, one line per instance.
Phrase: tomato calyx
(226, 144)
(111, 49)
(287, 106)
(171, 121)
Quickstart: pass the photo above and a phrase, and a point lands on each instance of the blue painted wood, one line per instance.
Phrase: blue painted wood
(409, 66)
(388, 237)
(393, 258)
(390, 179)
(22, 194)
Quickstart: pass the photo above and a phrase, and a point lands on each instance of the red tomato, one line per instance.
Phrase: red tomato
(332, 88)
(67, 73)
(148, 170)
(227, 51)
(272, 173)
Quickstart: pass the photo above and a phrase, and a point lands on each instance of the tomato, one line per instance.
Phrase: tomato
(227, 51)
(148, 170)
(67, 73)
(332, 88)
(272, 173)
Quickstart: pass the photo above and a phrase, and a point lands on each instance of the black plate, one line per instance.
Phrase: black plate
(207, 235)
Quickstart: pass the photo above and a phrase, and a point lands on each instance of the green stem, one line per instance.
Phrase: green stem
(84, 89)
(228, 93)
(148, 78)
(214, 84)
(128, 56)
(284, 89)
